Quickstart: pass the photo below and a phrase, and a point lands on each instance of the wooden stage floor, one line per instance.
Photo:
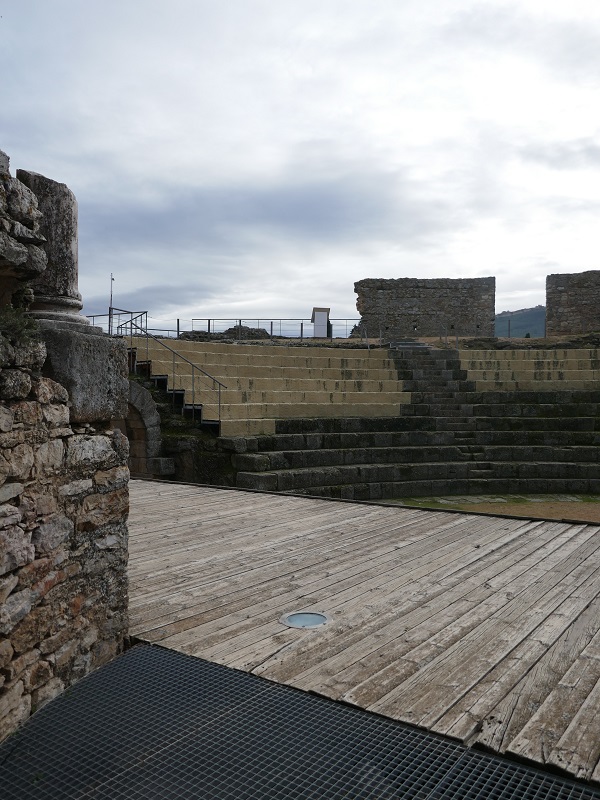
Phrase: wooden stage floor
(486, 629)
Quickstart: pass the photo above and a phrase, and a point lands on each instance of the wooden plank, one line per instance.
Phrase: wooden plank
(540, 739)
(381, 563)
(430, 692)
(353, 675)
(573, 616)
(241, 620)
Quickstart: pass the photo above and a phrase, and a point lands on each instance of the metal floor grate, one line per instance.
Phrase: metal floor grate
(156, 724)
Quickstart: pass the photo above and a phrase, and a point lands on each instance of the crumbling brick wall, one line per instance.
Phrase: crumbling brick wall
(63, 481)
(409, 307)
(573, 303)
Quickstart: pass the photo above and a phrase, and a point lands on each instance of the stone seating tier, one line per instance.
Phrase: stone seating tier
(409, 422)
(453, 438)
(264, 383)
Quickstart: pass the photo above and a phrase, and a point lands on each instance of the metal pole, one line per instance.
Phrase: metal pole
(301, 331)
(178, 328)
(110, 305)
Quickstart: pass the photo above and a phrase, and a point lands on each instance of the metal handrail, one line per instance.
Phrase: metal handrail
(131, 323)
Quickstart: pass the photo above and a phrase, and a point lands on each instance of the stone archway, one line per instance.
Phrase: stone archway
(142, 427)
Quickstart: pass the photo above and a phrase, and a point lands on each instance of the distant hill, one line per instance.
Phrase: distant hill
(530, 321)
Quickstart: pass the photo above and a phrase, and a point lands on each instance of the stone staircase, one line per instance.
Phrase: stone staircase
(263, 384)
(462, 433)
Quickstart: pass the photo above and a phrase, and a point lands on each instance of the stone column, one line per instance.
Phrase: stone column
(57, 298)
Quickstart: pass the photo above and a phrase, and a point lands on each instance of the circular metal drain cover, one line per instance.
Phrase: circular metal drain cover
(304, 619)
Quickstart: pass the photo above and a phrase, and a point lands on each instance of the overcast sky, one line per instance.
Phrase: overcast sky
(257, 157)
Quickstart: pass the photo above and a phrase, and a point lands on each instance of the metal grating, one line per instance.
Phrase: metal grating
(158, 724)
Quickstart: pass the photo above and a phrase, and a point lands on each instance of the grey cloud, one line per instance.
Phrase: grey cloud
(335, 210)
(570, 48)
(164, 296)
(575, 154)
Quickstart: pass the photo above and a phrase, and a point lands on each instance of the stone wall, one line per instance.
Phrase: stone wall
(408, 307)
(63, 473)
(573, 303)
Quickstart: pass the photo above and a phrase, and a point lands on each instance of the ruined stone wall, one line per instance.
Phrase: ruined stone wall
(573, 303)
(63, 476)
(408, 307)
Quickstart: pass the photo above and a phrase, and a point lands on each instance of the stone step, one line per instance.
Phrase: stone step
(590, 354)
(475, 441)
(225, 371)
(302, 410)
(311, 477)
(502, 425)
(475, 456)
(310, 397)
(287, 384)
(244, 355)
(439, 488)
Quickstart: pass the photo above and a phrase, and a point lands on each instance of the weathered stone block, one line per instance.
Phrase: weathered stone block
(16, 549)
(18, 665)
(103, 652)
(28, 412)
(37, 675)
(11, 251)
(47, 692)
(31, 573)
(48, 391)
(100, 509)
(14, 609)
(6, 586)
(85, 452)
(14, 384)
(9, 515)
(56, 416)
(10, 490)
(32, 629)
(6, 419)
(21, 460)
(83, 486)
(115, 478)
(48, 536)
(252, 462)
(93, 369)
(49, 457)
(30, 355)
(6, 652)
(14, 709)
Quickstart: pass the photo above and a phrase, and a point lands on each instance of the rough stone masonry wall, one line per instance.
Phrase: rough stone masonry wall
(573, 303)
(405, 307)
(63, 483)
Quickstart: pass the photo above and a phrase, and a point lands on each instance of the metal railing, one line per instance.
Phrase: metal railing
(291, 328)
(131, 327)
(284, 328)
(117, 317)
